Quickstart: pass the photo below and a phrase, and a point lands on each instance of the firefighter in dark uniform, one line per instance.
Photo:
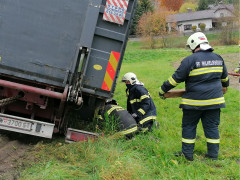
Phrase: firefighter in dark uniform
(125, 123)
(237, 70)
(204, 73)
(140, 103)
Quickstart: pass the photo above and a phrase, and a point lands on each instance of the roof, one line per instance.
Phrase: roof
(195, 15)
(230, 7)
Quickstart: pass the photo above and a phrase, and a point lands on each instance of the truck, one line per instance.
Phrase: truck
(59, 53)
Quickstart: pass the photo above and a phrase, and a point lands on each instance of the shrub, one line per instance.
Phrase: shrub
(194, 28)
(202, 26)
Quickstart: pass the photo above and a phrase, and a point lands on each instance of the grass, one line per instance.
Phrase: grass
(148, 156)
(180, 41)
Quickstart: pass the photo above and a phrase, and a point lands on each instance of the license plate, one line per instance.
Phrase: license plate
(13, 123)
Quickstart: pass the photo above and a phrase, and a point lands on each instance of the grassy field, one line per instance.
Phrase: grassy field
(148, 156)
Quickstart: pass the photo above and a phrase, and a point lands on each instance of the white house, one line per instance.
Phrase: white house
(185, 21)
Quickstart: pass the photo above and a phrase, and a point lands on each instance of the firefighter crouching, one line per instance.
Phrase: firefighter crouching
(139, 103)
(125, 123)
(204, 73)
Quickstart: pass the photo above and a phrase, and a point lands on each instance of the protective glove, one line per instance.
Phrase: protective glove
(134, 115)
(161, 96)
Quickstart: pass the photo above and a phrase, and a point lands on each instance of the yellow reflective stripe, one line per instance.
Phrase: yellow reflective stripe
(213, 140)
(129, 131)
(134, 100)
(139, 100)
(225, 80)
(172, 81)
(205, 70)
(189, 141)
(161, 91)
(113, 108)
(99, 117)
(147, 119)
(144, 97)
(141, 111)
(203, 102)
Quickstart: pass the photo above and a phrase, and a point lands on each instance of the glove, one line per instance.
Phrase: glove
(134, 115)
(161, 96)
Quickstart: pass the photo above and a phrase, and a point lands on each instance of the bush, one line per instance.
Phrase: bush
(202, 26)
(194, 28)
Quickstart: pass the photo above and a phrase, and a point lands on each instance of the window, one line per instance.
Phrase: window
(187, 27)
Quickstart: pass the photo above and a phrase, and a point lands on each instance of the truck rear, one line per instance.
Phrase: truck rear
(57, 53)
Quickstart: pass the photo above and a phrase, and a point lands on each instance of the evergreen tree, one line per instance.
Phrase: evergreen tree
(142, 7)
(202, 5)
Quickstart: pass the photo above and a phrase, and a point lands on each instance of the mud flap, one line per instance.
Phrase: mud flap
(74, 135)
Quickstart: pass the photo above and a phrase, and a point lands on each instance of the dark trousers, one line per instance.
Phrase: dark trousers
(210, 121)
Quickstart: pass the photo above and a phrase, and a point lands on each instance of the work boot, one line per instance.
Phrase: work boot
(211, 157)
(189, 158)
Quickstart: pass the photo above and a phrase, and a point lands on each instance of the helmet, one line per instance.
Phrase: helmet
(198, 39)
(131, 77)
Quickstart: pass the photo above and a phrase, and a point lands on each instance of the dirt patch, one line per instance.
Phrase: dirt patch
(13, 148)
(231, 61)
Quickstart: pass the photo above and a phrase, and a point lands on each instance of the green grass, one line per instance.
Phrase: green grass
(180, 41)
(148, 156)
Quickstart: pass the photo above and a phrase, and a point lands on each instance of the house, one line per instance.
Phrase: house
(211, 18)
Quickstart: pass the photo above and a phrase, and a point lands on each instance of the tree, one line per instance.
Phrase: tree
(171, 5)
(185, 6)
(153, 24)
(143, 6)
(202, 5)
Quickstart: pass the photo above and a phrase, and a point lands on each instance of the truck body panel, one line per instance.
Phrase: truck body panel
(57, 52)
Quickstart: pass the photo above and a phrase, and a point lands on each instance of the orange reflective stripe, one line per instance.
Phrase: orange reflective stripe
(110, 71)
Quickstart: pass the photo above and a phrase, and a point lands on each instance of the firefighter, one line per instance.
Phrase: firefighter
(204, 73)
(139, 103)
(237, 70)
(125, 123)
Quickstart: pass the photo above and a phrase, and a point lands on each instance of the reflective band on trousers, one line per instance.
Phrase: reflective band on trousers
(224, 80)
(189, 141)
(203, 102)
(172, 81)
(213, 140)
(205, 70)
(129, 131)
(147, 119)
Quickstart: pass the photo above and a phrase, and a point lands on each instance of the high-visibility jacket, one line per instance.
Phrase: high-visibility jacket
(140, 102)
(204, 73)
(125, 123)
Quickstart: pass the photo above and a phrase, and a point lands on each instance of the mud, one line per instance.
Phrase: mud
(231, 61)
(13, 148)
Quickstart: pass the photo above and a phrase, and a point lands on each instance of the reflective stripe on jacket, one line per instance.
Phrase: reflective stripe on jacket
(140, 102)
(126, 124)
(204, 73)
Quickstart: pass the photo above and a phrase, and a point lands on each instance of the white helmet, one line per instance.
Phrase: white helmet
(132, 78)
(198, 39)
